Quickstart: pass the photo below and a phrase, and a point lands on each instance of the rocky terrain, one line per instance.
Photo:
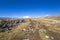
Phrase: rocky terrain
(7, 24)
(41, 28)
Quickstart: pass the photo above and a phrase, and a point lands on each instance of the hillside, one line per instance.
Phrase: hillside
(42, 28)
(56, 17)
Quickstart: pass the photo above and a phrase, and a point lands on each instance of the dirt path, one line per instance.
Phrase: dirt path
(34, 35)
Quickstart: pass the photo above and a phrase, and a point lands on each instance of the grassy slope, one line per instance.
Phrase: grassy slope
(56, 17)
(18, 34)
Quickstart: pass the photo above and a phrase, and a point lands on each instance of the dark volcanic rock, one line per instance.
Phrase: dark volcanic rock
(7, 23)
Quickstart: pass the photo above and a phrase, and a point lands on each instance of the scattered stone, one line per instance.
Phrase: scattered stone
(47, 36)
(52, 37)
(42, 30)
(25, 39)
(24, 30)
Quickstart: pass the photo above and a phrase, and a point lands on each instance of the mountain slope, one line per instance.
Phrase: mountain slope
(31, 29)
(56, 17)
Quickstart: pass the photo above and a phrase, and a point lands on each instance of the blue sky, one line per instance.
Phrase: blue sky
(20, 8)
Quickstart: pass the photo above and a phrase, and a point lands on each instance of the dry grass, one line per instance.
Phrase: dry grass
(18, 34)
(15, 34)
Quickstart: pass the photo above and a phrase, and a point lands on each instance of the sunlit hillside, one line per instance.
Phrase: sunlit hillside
(56, 17)
(40, 28)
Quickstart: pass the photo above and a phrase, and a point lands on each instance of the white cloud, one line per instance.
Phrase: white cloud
(47, 15)
(26, 17)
